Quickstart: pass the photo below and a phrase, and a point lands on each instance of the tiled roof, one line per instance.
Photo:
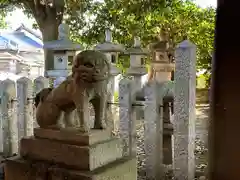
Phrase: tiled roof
(22, 38)
(23, 41)
(23, 27)
(9, 56)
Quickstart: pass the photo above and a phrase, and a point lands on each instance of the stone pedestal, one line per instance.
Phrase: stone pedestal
(68, 154)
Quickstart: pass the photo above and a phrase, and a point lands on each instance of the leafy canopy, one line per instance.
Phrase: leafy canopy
(127, 18)
(181, 19)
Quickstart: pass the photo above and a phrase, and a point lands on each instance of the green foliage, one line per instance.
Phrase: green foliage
(181, 19)
(188, 21)
(201, 81)
(2, 21)
(127, 18)
(3, 14)
(116, 96)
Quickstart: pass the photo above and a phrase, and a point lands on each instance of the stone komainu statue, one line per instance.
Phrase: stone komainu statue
(87, 83)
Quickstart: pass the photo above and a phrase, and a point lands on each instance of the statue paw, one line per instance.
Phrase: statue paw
(84, 129)
(114, 133)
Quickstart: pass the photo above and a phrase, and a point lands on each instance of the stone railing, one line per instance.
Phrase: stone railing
(183, 92)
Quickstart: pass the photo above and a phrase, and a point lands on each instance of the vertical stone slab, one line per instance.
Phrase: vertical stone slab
(184, 111)
(153, 132)
(9, 118)
(126, 129)
(1, 119)
(138, 82)
(39, 83)
(110, 109)
(137, 87)
(25, 107)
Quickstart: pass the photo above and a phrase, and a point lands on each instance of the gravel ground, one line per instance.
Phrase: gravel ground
(201, 144)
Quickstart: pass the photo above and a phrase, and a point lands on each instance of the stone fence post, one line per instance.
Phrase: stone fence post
(39, 83)
(9, 127)
(184, 111)
(25, 107)
(153, 133)
(126, 129)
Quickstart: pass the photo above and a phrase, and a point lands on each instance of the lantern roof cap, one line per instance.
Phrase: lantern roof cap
(137, 49)
(63, 42)
(108, 45)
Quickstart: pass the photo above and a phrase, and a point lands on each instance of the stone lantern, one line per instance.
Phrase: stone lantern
(111, 50)
(161, 62)
(137, 62)
(64, 51)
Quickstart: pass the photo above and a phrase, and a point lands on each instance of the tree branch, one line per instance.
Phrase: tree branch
(36, 9)
(40, 9)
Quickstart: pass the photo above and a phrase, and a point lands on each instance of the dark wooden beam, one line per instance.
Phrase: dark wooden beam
(224, 129)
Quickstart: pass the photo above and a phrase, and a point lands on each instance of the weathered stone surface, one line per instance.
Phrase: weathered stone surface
(124, 169)
(153, 132)
(126, 123)
(23, 170)
(167, 129)
(8, 119)
(73, 137)
(72, 156)
(167, 149)
(184, 111)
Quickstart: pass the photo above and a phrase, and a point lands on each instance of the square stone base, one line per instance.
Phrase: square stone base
(73, 136)
(71, 149)
(124, 169)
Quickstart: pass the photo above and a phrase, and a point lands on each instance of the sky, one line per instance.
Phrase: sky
(17, 17)
(206, 3)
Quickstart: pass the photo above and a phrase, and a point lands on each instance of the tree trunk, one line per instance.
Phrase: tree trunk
(49, 32)
(48, 19)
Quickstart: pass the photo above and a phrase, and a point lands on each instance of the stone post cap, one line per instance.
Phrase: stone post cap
(136, 49)
(63, 31)
(186, 44)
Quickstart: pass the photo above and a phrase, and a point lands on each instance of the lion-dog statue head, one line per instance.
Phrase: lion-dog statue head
(90, 67)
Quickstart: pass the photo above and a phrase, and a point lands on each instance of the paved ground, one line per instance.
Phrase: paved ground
(201, 136)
